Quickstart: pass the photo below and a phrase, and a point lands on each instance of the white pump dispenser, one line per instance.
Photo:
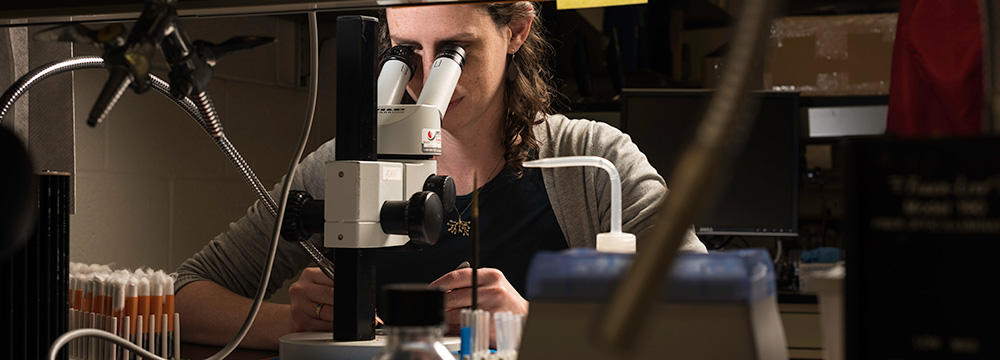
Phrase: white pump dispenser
(615, 240)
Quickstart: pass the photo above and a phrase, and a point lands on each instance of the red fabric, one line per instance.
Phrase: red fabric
(937, 75)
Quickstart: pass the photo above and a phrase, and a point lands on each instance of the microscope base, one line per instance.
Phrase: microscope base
(320, 345)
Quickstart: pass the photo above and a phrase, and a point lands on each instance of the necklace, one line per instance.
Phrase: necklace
(462, 227)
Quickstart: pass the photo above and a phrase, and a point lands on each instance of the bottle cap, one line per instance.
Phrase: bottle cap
(412, 305)
(621, 242)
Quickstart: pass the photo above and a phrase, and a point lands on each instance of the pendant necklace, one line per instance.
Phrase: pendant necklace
(462, 227)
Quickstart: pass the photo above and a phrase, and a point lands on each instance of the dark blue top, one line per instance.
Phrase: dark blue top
(515, 221)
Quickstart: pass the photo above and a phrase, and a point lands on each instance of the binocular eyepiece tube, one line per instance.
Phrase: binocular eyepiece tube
(398, 68)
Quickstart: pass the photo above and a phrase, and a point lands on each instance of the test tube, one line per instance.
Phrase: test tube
(132, 306)
(118, 307)
(127, 330)
(177, 337)
(168, 309)
(143, 309)
(98, 315)
(139, 334)
(150, 338)
(113, 353)
(163, 335)
(465, 334)
(483, 333)
(88, 309)
(156, 307)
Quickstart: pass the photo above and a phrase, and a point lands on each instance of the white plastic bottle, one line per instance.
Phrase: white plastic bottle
(614, 240)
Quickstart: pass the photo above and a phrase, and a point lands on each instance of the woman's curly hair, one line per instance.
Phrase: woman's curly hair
(529, 94)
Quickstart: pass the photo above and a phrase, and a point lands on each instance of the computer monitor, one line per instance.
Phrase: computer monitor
(761, 195)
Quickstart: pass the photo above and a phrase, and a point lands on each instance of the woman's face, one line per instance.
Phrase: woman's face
(479, 93)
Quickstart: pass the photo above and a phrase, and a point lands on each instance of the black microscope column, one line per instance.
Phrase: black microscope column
(354, 286)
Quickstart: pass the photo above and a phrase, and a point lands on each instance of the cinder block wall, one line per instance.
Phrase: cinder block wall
(152, 187)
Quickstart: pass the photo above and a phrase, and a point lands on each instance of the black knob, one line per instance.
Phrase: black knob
(303, 217)
(444, 187)
(420, 218)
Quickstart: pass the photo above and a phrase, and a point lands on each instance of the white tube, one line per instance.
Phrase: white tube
(114, 330)
(594, 161)
(92, 342)
(125, 334)
(392, 81)
(151, 336)
(177, 336)
(163, 336)
(138, 333)
(441, 81)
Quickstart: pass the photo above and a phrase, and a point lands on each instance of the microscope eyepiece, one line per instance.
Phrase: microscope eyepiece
(404, 54)
(397, 70)
(454, 52)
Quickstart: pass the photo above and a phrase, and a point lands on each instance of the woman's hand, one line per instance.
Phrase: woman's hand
(495, 295)
(311, 302)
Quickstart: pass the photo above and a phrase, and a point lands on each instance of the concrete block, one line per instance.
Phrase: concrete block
(121, 219)
(149, 134)
(91, 142)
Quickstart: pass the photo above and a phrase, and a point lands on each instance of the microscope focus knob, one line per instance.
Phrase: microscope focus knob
(303, 217)
(444, 187)
(420, 218)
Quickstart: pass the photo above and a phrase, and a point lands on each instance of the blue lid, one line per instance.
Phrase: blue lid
(585, 275)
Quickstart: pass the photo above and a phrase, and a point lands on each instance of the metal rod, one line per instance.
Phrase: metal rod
(475, 242)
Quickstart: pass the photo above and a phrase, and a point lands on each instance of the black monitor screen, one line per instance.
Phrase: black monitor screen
(760, 195)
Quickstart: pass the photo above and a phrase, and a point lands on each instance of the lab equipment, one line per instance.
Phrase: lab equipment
(759, 197)
(721, 305)
(508, 333)
(614, 240)
(36, 277)
(368, 202)
(475, 334)
(414, 323)
(112, 301)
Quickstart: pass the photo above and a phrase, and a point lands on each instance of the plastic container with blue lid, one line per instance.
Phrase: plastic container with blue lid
(585, 275)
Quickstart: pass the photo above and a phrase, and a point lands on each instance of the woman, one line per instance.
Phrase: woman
(497, 119)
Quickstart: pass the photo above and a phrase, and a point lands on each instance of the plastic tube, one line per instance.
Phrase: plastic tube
(615, 240)
(593, 161)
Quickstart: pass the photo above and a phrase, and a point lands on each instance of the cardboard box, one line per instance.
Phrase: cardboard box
(831, 55)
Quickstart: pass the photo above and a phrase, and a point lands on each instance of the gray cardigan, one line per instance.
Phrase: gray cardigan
(580, 198)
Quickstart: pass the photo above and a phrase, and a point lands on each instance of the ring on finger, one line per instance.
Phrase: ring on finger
(319, 308)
